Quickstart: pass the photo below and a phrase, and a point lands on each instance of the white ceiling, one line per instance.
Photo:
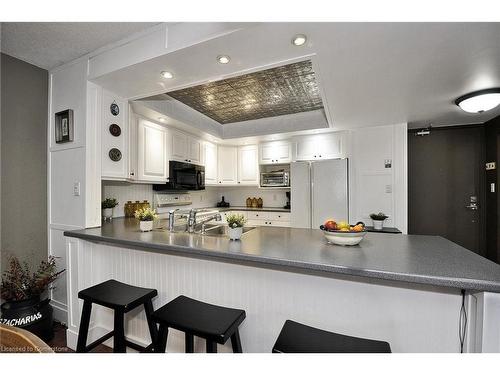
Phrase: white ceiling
(50, 44)
(370, 73)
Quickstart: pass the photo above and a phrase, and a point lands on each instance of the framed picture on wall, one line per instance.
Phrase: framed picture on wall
(64, 126)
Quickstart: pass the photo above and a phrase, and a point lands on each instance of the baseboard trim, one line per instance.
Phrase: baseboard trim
(60, 312)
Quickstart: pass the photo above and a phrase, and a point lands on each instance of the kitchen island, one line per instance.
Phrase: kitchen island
(401, 289)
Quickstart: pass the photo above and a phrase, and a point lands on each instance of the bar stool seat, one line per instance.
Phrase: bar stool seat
(122, 298)
(216, 324)
(299, 338)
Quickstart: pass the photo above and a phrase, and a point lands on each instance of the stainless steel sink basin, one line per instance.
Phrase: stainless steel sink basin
(221, 230)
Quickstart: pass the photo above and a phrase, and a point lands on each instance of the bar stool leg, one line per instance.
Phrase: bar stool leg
(83, 331)
(236, 342)
(161, 341)
(119, 345)
(153, 330)
(189, 343)
(211, 346)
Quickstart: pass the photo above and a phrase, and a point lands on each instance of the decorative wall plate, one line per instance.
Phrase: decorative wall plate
(115, 154)
(115, 130)
(115, 110)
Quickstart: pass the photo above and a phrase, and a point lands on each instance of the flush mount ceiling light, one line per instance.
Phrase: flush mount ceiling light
(299, 39)
(479, 101)
(167, 75)
(162, 119)
(223, 59)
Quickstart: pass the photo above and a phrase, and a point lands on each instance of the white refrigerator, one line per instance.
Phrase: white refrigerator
(319, 191)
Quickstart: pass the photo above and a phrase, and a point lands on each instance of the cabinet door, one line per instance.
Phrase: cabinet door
(194, 150)
(275, 152)
(179, 145)
(248, 168)
(227, 165)
(321, 146)
(152, 160)
(210, 164)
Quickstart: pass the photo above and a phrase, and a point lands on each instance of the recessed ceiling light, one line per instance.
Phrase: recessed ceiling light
(223, 59)
(299, 39)
(166, 74)
(479, 101)
(162, 119)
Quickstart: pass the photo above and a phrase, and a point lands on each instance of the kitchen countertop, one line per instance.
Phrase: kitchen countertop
(417, 259)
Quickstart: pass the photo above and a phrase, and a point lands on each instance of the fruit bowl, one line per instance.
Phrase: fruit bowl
(343, 233)
(338, 237)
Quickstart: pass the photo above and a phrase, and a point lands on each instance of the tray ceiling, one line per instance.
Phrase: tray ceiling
(272, 92)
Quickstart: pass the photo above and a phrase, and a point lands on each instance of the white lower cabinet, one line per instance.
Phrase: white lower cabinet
(266, 218)
(262, 218)
(151, 152)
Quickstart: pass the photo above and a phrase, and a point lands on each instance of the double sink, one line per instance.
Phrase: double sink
(215, 230)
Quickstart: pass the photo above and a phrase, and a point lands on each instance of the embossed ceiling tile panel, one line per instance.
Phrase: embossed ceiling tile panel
(273, 92)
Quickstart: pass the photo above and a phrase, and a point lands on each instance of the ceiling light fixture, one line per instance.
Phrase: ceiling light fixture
(299, 40)
(479, 101)
(162, 119)
(167, 75)
(223, 59)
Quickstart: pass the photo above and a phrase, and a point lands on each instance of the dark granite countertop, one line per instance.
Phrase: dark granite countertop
(417, 259)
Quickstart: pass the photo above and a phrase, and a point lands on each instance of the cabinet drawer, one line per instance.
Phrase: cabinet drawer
(257, 215)
(279, 216)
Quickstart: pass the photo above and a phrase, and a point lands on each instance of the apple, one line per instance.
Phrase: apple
(330, 225)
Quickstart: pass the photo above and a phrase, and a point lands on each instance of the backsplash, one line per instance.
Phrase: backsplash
(237, 196)
(124, 191)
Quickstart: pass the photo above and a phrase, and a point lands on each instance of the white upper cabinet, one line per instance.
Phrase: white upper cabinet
(248, 168)
(185, 148)
(279, 152)
(321, 146)
(114, 137)
(227, 165)
(210, 164)
(152, 152)
(194, 150)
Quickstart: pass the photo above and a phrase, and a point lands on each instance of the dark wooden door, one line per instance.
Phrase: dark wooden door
(445, 182)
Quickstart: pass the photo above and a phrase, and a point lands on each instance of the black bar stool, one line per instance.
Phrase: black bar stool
(299, 338)
(122, 298)
(216, 324)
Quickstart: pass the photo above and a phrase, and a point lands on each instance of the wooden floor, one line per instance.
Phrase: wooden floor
(58, 343)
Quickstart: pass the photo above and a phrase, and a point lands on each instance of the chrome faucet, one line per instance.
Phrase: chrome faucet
(193, 220)
(171, 219)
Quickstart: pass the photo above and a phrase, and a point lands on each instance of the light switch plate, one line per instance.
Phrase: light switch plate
(76, 189)
(491, 165)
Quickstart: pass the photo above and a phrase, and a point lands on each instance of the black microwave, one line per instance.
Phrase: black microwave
(183, 176)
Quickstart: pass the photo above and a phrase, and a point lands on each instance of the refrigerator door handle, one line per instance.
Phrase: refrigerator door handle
(311, 194)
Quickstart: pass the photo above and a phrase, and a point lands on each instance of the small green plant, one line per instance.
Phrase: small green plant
(145, 214)
(235, 220)
(109, 203)
(19, 282)
(380, 216)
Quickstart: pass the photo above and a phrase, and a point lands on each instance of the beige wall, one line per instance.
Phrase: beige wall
(23, 160)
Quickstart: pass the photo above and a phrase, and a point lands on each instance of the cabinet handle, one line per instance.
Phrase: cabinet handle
(131, 173)
(220, 182)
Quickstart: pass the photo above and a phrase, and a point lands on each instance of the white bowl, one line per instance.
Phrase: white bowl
(344, 238)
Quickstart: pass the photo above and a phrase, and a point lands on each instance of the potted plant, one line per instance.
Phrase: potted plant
(378, 220)
(26, 296)
(107, 206)
(235, 223)
(146, 216)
